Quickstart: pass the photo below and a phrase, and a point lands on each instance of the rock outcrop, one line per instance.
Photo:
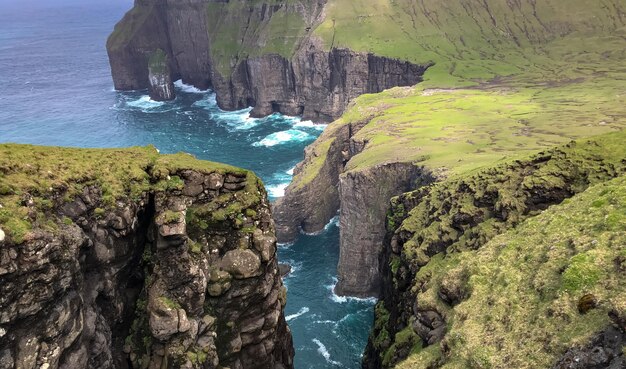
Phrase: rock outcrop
(360, 197)
(150, 262)
(252, 54)
(161, 86)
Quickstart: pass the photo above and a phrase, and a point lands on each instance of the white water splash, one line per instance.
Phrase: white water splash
(188, 88)
(283, 137)
(302, 311)
(324, 352)
(343, 299)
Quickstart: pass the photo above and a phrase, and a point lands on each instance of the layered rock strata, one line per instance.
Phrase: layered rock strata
(261, 55)
(180, 272)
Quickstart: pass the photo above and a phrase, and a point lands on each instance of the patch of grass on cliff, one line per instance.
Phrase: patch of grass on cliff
(471, 40)
(525, 285)
(456, 131)
(36, 179)
(239, 29)
(157, 63)
(132, 22)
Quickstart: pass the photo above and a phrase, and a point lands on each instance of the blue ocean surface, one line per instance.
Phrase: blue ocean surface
(56, 89)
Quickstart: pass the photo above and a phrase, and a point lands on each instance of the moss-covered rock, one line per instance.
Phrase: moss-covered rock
(125, 255)
(438, 275)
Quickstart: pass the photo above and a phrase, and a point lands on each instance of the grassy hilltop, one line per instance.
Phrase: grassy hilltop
(507, 77)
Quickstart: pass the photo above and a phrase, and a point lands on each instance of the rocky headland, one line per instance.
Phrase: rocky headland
(131, 259)
(463, 262)
(260, 54)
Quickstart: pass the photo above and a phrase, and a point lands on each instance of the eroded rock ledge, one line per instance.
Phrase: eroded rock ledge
(232, 48)
(175, 268)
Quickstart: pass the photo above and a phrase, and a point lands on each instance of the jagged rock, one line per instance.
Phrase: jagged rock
(265, 244)
(214, 181)
(603, 351)
(161, 87)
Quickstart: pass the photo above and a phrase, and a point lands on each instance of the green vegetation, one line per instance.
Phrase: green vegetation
(525, 285)
(157, 63)
(466, 211)
(471, 41)
(237, 32)
(126, 29)
(509, 78)
(35, 180)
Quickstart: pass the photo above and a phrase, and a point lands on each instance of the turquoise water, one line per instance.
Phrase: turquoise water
(56, 89)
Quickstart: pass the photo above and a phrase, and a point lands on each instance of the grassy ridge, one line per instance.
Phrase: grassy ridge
(40, 178)
(509, 77)
(471, 40)
(240, 29)
(526, 285)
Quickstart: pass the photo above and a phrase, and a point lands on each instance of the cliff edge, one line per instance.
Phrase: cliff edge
(124, 258)
(261, 54)
(517, 265)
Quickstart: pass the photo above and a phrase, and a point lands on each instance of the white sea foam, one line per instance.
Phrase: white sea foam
(332, 222)
(324, 322)
(237, 120)
(302, 311)
(324, 352)
(310, 124)
(209, 102)
(145, 102)
(188, 88)
(282, 137)
(290, 171)
(343, 299)
(278, 190)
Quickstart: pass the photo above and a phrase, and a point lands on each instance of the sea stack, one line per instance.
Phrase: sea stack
(161, 87)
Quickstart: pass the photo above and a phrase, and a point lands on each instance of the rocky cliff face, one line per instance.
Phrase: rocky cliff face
(361, 198)
(261, 55)
(431, 302)
(169, 262)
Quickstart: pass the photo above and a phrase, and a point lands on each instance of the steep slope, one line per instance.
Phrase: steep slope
(259, 54)
(508, 77)
(124, 258)
(476, 265)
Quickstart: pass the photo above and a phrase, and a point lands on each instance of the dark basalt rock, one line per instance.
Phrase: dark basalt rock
(604, 351)
(141, 286)
(161, 87)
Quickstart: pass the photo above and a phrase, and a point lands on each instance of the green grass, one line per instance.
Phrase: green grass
(459, 130)
(525, 284)
(238, 29)
(52, 176)
(509, 78)
(157, 63)
(471, 40)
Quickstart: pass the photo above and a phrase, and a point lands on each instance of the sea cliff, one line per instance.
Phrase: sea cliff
(124, 258)
(261, 54)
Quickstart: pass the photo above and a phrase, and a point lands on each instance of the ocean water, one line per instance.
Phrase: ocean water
(56, 89)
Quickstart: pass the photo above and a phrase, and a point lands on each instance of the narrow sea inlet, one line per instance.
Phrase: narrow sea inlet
(56, 90)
